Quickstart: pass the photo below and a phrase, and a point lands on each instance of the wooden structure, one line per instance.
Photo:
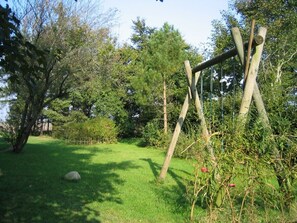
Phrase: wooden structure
(251, 90)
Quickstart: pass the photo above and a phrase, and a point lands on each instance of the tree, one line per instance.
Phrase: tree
(44, 72)
(141, 34)
(158, 52)
(165, 55)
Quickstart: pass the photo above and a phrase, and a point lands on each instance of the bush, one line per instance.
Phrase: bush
(153, 135)
(188, 146)
(99, 129)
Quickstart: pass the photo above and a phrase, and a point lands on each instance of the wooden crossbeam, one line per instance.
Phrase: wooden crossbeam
(257, 40)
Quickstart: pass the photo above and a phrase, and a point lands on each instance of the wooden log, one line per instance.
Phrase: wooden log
(176, 133)
(224, 56)
(198, 106)
(260, 106)
(256, 93)
(250, 81)
(238, 44)
(247, 64)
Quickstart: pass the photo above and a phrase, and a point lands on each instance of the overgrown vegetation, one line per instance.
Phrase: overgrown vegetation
(247, 187)
(97, 130)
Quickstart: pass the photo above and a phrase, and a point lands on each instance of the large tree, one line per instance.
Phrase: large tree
(53, 36)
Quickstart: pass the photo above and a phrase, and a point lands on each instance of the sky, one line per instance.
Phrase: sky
(193, 18)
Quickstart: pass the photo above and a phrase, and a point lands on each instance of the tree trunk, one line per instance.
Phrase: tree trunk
(48, 124)
(22, 139)
(29, 118)
(41, 125)
(165, 107)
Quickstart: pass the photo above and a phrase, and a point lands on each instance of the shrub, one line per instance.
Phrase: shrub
(99, 129)
(153, 135)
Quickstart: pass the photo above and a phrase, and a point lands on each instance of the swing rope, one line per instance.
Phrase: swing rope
(234, 94)
(210, 96)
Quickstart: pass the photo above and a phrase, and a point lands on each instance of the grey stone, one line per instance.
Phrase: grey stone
(72, 176)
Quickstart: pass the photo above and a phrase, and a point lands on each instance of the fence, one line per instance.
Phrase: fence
(83, 141)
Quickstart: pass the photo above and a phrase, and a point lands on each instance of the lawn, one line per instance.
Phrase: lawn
(117, 184)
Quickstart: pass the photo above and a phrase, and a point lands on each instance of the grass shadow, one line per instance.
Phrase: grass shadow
(156, 168)
(32, 188)
(171, 193)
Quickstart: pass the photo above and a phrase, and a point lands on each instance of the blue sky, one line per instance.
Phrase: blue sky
(191, 17)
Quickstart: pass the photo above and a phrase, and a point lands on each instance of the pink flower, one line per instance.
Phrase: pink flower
(231, 185)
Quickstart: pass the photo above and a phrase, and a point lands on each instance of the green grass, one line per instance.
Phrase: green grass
(117, 185)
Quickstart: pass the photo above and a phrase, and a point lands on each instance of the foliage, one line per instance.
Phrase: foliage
(159, 82)
(153, 135)
(10, 38)
(142, 34)
(247, 187)
(95, 130)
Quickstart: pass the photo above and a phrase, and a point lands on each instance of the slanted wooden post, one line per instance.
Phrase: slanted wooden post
(177, 130)
(237, 38)
(250, 81)
(256, 93)
(278, 165)
(247, 64)
(198, 106)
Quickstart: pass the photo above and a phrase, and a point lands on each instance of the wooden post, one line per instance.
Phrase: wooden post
(176, 133)
(260, 106)
(198, 106)
(250, 81)
(238, 43)
(247, 64)
(256, 93)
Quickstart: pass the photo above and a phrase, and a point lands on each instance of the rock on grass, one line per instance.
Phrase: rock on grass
(72, 176)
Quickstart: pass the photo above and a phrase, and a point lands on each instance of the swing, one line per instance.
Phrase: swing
(211, 99)
(249, 92)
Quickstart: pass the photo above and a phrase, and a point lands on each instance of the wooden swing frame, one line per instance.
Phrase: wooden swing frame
(251, 90)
